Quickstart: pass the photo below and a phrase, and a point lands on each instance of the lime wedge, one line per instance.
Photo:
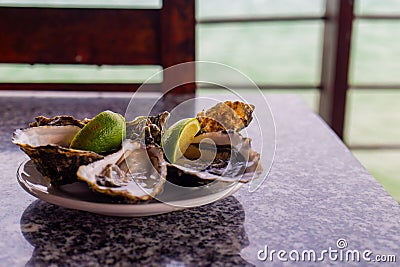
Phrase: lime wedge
(178, 137)
(102, 134)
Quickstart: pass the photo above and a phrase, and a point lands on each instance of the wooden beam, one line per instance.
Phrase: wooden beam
(335, 62)
(371, 86)
(378, 17)
(178, 46)
(252, 19)
(261, 86)
(79, 36)
(374, 147)
(100, 87)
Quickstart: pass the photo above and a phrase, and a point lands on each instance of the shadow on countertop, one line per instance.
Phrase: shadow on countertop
(195, 237)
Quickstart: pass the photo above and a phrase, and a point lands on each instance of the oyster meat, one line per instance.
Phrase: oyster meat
(47, 141)
(134, 173)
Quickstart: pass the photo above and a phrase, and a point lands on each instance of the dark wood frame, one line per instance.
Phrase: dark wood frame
(97, 36)
(335, 63)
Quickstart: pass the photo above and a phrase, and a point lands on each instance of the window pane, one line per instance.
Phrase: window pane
(284, 52)
(228, 8)
(377, 7)
(86, 3)
(11, 73)
(375, 52)
(384, 165)
(373, 117)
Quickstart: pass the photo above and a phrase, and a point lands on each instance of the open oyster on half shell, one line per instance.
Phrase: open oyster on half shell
(218, 156)
(218, 152)
(47, 141)
(134, 173)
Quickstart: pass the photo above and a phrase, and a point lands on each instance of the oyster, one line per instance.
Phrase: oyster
(148, 128)
(226, 116)
(133, 173)
(58, 121)
(222, 156)
(47, 146)
(219, 152)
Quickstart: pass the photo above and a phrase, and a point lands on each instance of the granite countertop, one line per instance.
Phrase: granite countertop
(316, 193)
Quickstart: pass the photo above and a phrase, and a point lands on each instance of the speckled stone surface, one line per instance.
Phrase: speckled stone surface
(315, 194)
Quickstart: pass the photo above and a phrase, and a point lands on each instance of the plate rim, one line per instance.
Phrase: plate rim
(112, 209)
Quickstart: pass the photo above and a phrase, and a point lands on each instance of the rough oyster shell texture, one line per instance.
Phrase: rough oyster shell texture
(226, 116)
(135, 173)
(221, 156)
(62, 120)
(46, 142)
(219, 152)
(147, 128)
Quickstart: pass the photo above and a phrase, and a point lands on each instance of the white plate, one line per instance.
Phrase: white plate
(78, 195)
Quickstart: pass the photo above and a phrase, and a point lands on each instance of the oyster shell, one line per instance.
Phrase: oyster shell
(148, 128)
(219, 152)
(222, 156)
(47, 146)
(133, 173)
(226, 116)
(58, 121)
